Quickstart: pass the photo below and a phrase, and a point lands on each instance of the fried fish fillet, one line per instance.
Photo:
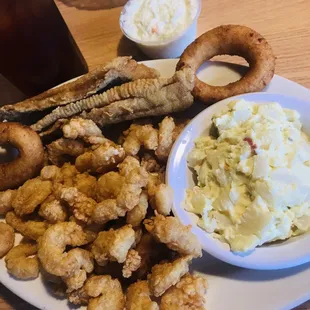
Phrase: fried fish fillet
(140, 98)
(169, 96)
(121, 68)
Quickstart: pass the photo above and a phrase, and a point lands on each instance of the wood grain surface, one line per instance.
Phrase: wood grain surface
(285, 24)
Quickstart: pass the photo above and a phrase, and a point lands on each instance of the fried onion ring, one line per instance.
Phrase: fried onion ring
(230, 40)
(31, 155)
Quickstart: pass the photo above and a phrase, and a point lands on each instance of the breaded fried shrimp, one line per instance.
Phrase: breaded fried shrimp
(75, 281)
(30, 195)
(165, 275)
(165, 138)
(132, 263)
(188, 294)
(6, 199)
(86, 184)
(101, 158)
(140, 135)
(52, 246)
(138, 297)
(107, 293)
(29, 229)
(19, 263)
(113, 245)
(175, 235)
(135, 216)
(7, 238)
(53, 211)
(125, 196)
(163, 199)
(63, 150)
(84, 129)
(81, 205)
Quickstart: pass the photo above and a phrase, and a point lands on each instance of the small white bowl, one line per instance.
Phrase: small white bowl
(292, 252)
(170, 48)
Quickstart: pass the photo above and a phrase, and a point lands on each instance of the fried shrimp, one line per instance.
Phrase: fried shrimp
(29, 229)
(140, 135)
(132, 263)
(113, 245)
(19, 263)
(109, 185)
(138, 297)
(175, 235)
(30, 195)
(165, 138)
(81, 205)
(230, 40)
(64, 150)
(101, 158)
(125, 196)
(75, 281)
(107, 293)
(6, 199)
(84, 129)
(86, 184)
(135, 216)
(188, 294)
(165, 275)
(31, 155)
(163, 199)
(52, 246)
(154, 180)
(53, 211)
(7, 238)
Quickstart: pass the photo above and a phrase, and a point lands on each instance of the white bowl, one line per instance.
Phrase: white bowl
(292, 252)
(170, 48)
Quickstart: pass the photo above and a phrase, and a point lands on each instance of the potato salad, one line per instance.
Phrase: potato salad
(253, 183)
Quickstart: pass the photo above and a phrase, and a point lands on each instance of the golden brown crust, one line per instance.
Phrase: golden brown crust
(188, 294)
(138, 297)
(29, 229)
(30, 159)
(231, 40)
(123, 68)
(7, 238)
(20, 265)
(174, 234)
(165, 275)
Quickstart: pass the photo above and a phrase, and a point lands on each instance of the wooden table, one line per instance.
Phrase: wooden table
(285, 23)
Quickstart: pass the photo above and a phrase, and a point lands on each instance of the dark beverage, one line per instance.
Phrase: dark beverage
(37, 50)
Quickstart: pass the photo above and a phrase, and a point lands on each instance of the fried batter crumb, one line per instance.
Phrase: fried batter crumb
(140, 135)
(132, 263)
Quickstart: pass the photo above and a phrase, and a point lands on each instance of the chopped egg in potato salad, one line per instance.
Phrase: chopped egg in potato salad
(253, 178)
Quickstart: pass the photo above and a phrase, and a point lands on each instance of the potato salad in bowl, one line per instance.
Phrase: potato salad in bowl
(240, 171)
(253, 181)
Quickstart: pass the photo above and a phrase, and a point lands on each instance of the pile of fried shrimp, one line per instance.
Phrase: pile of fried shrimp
(97, 224)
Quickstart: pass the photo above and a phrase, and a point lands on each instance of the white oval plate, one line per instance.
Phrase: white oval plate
(292, 252)
(230, 287)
